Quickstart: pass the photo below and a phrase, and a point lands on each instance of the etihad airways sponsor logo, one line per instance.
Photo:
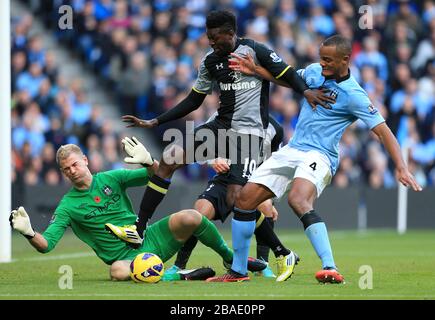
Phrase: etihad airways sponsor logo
(237, 86)
(103, 209)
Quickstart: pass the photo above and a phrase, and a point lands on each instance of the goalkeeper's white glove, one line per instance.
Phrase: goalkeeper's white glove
(20, 221)
(137, 152)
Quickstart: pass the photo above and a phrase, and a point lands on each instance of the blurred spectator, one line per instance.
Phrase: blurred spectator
(120, 18)
(422, 103)
(404, 11)
(424, 152)
(51, 177)
(149, 53)
(320, 22)
(134, 85)
(47, 111)
(18, 65)
(35, 51)
(371, 56)
(31, 80)
(50, 66)
(81, 109)
(425, 50)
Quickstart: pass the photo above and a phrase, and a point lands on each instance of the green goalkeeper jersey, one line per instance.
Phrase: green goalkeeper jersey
(87, 211)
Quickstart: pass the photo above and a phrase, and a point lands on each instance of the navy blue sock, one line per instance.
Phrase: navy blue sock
(267, 238)
(153, 195)
(185, 252)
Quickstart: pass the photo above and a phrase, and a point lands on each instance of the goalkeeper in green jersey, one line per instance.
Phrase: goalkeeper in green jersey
(99, 199)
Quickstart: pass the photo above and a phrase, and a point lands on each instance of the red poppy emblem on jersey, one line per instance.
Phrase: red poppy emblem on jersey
(97, 199)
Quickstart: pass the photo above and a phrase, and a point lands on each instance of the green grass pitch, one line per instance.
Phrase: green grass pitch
(402, 266)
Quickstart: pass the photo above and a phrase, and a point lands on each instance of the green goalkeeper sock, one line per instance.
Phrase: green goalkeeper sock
(208, 234)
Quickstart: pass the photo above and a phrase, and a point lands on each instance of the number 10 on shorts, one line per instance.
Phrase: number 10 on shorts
(249, 168)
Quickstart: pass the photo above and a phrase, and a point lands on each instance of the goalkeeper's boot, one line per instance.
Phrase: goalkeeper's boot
(267, 273)
(329, 275)
(172, 274)
(126, 233)
(230, 276)
(202, 273)
(254, 265)
(286, 265)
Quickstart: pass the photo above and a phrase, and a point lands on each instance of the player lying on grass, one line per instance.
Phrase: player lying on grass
(95, 200)
(212, 203)
(304, 167)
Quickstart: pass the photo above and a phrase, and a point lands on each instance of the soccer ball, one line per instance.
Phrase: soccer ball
(147, 267)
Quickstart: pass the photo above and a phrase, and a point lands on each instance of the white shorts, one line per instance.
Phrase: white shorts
(278, 172)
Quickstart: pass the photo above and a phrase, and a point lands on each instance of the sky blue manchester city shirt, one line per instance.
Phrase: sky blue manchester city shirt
(321, 129)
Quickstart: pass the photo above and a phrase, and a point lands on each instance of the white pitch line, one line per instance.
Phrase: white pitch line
(75, 255)
(220, 295)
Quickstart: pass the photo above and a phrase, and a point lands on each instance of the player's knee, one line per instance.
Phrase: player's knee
(298, 202)
(232, 194)
(119, 271)
(243, 201)
(190, 218)
(205, 207)
(231, 199)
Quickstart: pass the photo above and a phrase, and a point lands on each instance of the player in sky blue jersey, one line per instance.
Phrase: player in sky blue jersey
(304, 167)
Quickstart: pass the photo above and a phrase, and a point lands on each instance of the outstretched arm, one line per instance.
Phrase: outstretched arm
(288, 78)
(247, 66)
(138, 154)
(192, 102)
(20, 221)
(39, 242)
(389, 140)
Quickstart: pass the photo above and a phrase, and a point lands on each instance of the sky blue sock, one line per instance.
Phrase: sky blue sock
(318, 236)
(242, 232)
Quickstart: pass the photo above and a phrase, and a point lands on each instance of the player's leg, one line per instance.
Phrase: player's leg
(206, 208)
(307, 185)
(158, 186)
(212, 204)
(242, 228)
(247, 150)
(155, 192)
(251, 195)
(190, 222)
(186, 223)
(120, 270)
(176, 156)
(266, 239)
(285, 259)
(270, 180)
(267, 209)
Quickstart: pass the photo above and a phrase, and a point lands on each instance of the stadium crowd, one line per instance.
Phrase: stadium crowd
(49, 110)
(148, 52)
